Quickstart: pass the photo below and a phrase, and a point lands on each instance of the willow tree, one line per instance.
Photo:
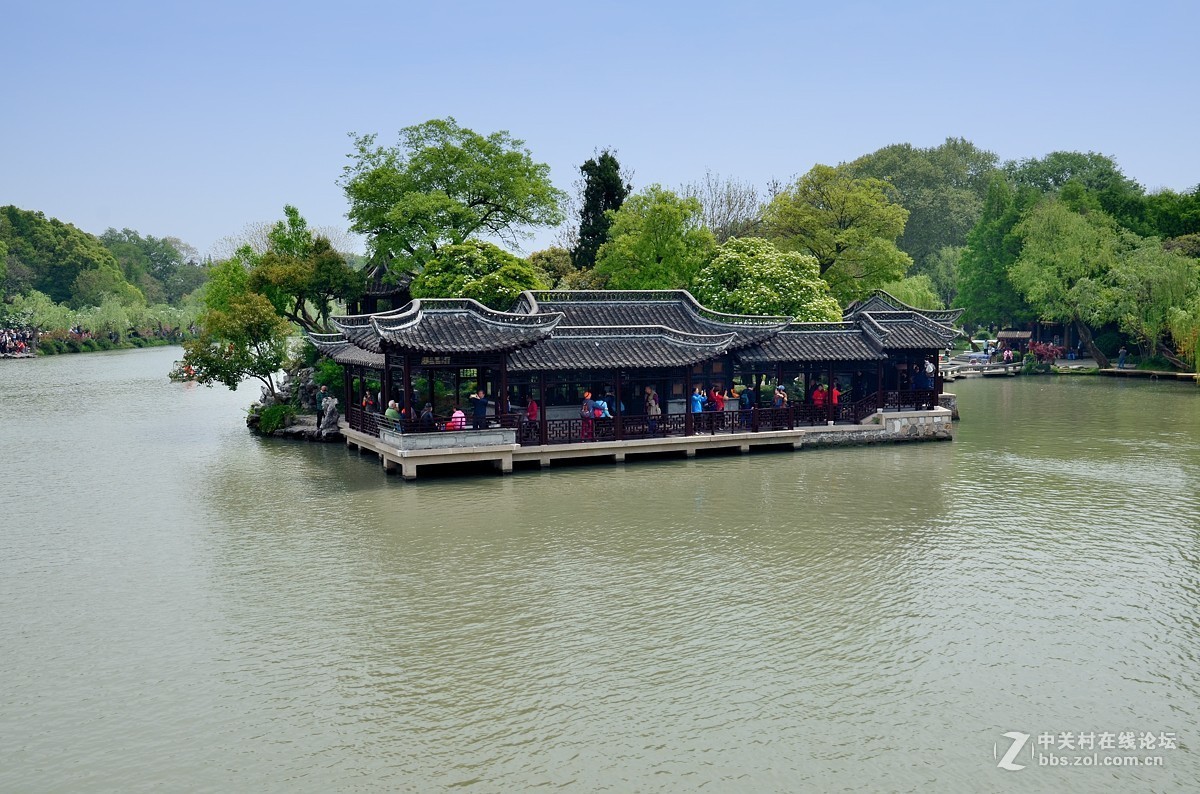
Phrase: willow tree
(1064, 266)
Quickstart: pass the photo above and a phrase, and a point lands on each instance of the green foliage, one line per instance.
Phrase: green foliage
(916, 291)
(984, 289)
(1120, 197)
(552, 265)
(1146, 285)
(36, 310)
(943, 188)
(942, 269)
(93, 287)
(752, 276)
(655, 242)
(241, 338)
(157, 266)
(477, 270)
(301, 274)
(111, 317)
(1174, 215)
(275, 417)
(48, 255)
(1184, 324)
(228, 280)
(604, 191)
(441, 185)
(1064, 260)
(329, 373)
(849, 225)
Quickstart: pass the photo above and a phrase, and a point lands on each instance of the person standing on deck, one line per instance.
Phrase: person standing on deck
(1121, 357)
(653, 409)
(479, 404)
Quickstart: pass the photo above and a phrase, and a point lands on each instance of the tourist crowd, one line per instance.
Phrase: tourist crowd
(17, 341)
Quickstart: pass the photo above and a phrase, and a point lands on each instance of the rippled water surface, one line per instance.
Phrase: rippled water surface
(185, 606)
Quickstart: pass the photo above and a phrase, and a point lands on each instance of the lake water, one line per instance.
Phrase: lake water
(185, 606)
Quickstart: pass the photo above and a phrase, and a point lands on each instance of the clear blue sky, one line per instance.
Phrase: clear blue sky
(195, 119)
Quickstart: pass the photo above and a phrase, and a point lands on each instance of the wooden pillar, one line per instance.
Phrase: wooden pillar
(619, 419)
(385, 384)
(502, 397)
(689, 420)
(406, 379)
(542, 431)
(880, 397)
(346, 390)
(830, 411)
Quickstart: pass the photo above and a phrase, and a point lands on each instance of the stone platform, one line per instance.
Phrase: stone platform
(406, 455)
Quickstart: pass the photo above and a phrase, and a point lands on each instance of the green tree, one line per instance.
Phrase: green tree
(242, 336)
(916, 291)
(36, 310)
(849, 225)
(984, 289)
(943, 188)
(49, 255)
(477, 270)
(1172, 214)
(110, 318)
(1184, 324)
(552, 265)
(155, 265)
(942, 270)
(751, 276)
(1147, 284)
(301, 274)
(441, 185)
(656, 241)
(1064, 267)
(1120, 197)
(92, 287)
(604, 191)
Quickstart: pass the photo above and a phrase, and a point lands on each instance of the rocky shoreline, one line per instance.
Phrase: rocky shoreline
(305, 428)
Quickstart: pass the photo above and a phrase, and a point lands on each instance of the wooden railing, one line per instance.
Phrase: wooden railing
(579, 430)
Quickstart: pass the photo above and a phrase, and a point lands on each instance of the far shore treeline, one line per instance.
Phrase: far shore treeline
(1066, 238)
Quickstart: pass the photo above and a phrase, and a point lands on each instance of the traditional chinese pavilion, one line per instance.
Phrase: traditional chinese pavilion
(554, 346)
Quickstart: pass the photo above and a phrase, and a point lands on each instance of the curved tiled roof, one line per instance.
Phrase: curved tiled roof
(564, 330)
(909, 330)
(881, 301)
(360, 329)
(343, 351)
(676, 309)
(461, 325)
(630, 347)
(379, 281)
(845, 341)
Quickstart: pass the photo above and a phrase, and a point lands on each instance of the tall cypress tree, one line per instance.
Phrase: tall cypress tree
(603, 190)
